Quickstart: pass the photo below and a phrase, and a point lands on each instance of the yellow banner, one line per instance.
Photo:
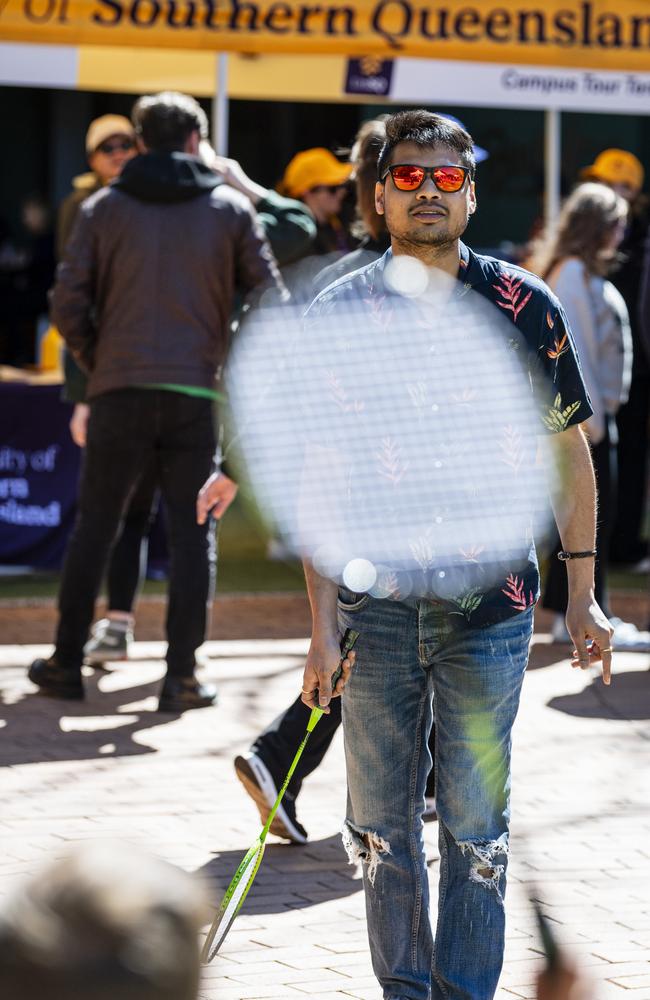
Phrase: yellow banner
(599, 34)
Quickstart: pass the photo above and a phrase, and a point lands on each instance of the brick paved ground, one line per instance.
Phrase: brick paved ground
(112, 767)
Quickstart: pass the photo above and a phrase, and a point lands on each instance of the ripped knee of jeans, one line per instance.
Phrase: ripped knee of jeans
(364, 846)
(483, 869)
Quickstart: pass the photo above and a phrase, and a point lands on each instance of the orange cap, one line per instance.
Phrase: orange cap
(311, 168)
(615, 166)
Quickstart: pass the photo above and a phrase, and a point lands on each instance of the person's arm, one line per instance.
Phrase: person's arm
(574, 506)
(288, 225)
(71, 299)
(324, 650)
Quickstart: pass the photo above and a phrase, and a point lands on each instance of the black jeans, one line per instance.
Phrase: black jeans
(128, 563)
(127, 429)
(278, 744)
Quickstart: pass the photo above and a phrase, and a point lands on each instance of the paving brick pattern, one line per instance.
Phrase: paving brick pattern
(111, 767)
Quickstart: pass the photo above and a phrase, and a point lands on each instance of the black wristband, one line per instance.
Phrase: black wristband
(564, 556)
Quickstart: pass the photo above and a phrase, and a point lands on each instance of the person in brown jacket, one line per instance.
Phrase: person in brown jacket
(143, 299)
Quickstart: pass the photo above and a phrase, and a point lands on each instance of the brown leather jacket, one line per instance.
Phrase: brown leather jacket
(145, 290)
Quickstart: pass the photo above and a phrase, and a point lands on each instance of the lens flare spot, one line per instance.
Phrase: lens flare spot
(359, 575)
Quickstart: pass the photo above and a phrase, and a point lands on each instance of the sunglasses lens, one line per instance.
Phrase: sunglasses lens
(407, 178)
(113, 147)
(448, 179)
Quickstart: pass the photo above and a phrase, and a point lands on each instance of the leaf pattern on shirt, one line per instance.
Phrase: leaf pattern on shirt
(340, 395)
(423, 551)
(559, 348)
(472, 553)
(511, 447)
(516, 594)
(391, 464)
(557, 418)
(467, 604)
(509, 288)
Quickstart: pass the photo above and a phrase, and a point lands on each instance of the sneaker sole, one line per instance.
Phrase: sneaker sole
(264, 793)
(96, 659)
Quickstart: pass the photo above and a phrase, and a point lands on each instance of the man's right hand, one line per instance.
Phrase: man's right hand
(322, 661)
(215, 497)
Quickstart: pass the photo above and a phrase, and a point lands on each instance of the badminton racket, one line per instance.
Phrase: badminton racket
(244, 876)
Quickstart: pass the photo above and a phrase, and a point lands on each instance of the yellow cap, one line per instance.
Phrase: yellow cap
(311, 168)
(615, 166)
(103, 128)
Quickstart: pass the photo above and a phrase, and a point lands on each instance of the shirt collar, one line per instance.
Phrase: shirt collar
(469, 270)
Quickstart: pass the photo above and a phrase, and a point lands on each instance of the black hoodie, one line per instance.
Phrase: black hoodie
(166, 177)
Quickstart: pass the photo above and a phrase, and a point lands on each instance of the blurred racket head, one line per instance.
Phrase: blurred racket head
(394, 440)
(232, 901)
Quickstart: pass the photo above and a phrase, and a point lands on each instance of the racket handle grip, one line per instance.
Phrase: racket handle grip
(347, 643)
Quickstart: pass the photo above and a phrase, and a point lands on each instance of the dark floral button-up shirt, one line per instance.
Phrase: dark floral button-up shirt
(544, 343)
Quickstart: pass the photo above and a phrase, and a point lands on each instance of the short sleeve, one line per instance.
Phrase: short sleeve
(558, 385)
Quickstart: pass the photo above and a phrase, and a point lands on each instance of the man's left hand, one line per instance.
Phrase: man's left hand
(591, 634)
(215, 497)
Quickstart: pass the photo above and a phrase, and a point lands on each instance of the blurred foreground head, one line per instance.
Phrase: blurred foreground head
(106, 922)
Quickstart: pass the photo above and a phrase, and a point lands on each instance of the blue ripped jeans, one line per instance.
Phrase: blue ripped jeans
(411, 657)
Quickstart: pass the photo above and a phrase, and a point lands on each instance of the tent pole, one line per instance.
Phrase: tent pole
(552, 165)
(220, 106)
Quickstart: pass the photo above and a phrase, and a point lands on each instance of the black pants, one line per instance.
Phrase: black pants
(126, 430)
(128, 562)
(556, 591)
(277, 745)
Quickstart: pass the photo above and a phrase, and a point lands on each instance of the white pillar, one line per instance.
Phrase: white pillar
(552, 165)
(220, 106)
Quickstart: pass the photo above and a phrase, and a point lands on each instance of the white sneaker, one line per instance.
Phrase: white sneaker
(109, 641)
(628, 638)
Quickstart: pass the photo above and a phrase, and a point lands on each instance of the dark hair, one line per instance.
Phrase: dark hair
(165, 121)
(586, 221)
(426, 129)
(367, 146)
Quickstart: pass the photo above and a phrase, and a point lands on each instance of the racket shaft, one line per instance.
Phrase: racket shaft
(348, 641)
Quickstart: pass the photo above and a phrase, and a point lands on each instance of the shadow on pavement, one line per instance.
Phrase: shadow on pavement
(627, 698)
(290, 877)
(545, 654)
(39, 728)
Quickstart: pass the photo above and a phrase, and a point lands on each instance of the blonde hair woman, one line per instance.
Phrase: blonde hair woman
(575, 259)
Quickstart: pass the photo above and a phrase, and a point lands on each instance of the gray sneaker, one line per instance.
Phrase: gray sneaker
(109, 641)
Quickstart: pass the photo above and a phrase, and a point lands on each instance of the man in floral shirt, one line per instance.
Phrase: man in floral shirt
(471, 652)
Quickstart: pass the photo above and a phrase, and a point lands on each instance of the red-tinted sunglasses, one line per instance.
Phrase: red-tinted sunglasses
(409, 177)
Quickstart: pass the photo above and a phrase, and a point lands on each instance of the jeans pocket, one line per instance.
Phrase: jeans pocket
(348, 600)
